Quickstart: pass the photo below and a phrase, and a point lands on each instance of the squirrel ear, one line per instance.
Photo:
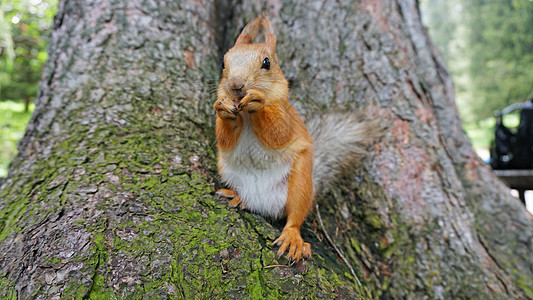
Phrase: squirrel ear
(270, 38)
(249, 32)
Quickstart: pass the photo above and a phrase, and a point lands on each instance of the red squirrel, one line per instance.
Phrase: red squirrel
(265, 151)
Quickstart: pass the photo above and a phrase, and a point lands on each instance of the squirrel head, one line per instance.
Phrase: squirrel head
(250, 65)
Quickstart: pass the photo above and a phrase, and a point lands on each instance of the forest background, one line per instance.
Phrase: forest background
(487, 46)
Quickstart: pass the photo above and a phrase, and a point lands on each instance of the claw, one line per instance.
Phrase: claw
(291, 262)
(292, 252)
(225, 110)
(291, 241)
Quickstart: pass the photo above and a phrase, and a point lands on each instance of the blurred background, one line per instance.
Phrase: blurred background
(25, 26)
(487, 46)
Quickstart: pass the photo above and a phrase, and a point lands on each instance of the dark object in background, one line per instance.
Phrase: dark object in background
(513, 150)
(501, 156)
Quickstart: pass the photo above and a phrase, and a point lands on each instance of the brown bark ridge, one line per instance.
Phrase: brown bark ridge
(111, 195)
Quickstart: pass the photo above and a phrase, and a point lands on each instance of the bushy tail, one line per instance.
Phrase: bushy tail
(341, 142)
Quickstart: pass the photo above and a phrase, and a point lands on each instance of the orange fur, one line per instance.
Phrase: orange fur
(263, 93)
(272, 127)
(228, 132)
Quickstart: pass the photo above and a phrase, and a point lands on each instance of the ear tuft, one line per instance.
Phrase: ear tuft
(270, 38)
(249, 32)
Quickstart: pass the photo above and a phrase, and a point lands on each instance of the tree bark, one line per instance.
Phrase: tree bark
(112, 193)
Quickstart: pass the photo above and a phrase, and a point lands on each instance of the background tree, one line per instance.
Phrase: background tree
(25, 55)
(25, 26)
(111, 194)
(501, 44)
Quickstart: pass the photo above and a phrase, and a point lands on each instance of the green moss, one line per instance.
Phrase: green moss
(52, 260)
(7, 290)
(10, 216)
(355, 244)
(526, 286)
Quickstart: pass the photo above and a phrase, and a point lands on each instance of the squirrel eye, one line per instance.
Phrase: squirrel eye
(266, 64)
(222, 64)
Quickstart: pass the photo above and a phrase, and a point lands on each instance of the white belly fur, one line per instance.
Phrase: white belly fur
(257, 174)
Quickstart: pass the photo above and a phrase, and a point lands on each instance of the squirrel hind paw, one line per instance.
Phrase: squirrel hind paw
(225, 193)
(293, 242)
(235, 200)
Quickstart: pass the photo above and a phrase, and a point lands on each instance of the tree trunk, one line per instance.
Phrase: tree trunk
(27, 102)
(112, 193)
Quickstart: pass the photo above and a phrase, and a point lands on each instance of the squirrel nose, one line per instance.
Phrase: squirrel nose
(236, 83)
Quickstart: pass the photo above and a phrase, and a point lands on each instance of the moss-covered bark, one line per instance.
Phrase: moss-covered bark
(111, 195)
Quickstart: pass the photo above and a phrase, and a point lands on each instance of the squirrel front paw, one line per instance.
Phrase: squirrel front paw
(226, 109)
(290, 239)
(253, 101)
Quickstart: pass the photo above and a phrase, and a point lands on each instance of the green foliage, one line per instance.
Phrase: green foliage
(24, 30)
(500, 52)
(13, 121)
